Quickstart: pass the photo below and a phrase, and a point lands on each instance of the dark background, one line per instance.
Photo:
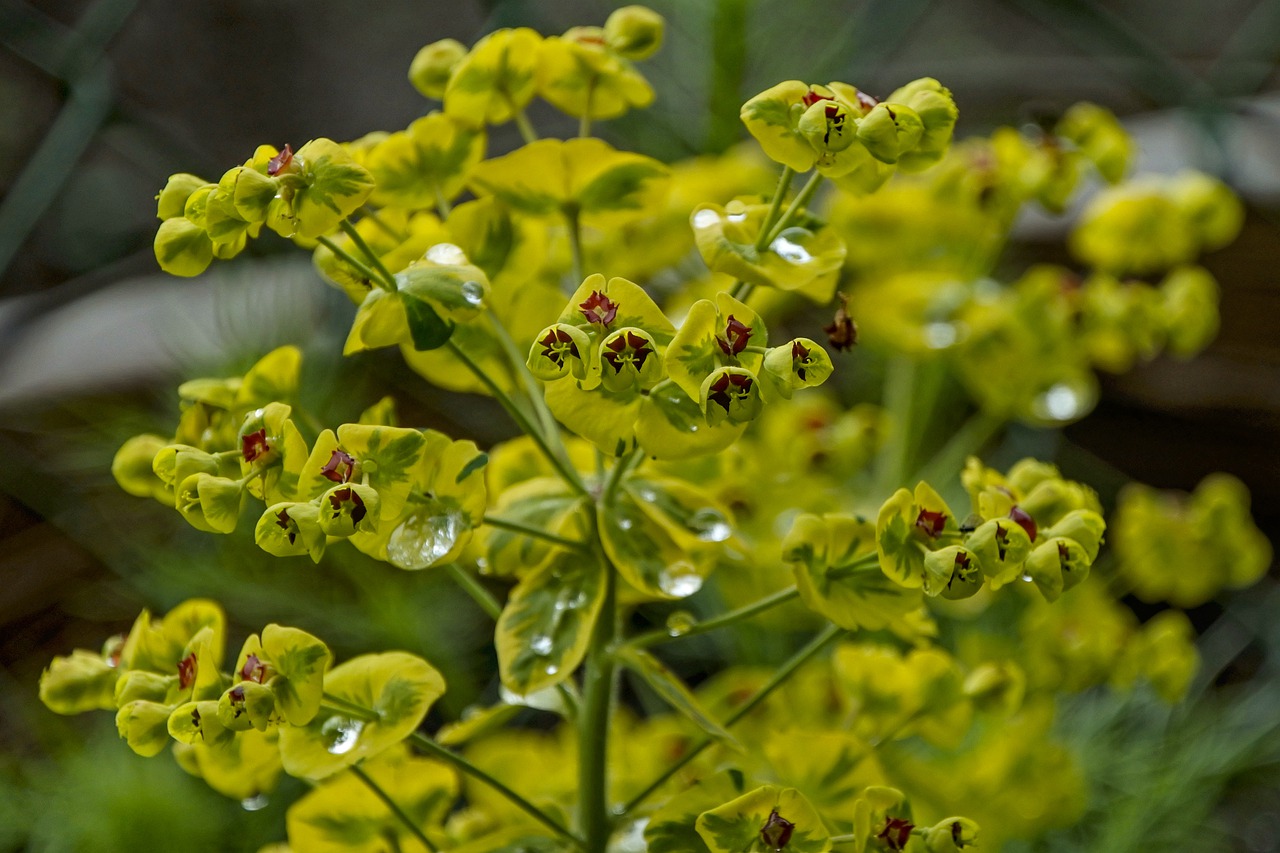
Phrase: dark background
(101, 101)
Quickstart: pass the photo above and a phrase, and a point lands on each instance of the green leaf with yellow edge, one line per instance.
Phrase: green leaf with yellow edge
(606, 187)
(84, 681)
(830, 767)
(299, 662)
(427, 329)
(497, 242)
(579, 75)
(798, 258)
(425, 164)
(544, 503)
(634, 307)
(673, 691)
(671, 425)
(137, 684)
(604, 418)
(825, 555)
(908, 526)
(673, 827)
(396, 688)
(273, 377)
(690, 515)
(157, 645)
(345, 816)
(546, 627)
(335, 187)
(381, 321)
(387, 457)
(771, 118)
(455, 289)
(745, 825)
(495, 79)
(647, 555)
(709, 328)
(236, 764)
(182, 247)
(144, 726)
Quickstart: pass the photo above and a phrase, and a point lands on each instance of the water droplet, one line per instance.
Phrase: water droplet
(551, 669)
(679, 580)
(341, 734)
(624, 523)
(680, 623)
(255, 803)
(541, 645)
(737, 217)
(710, 525)
(567, 601)
(789, 245)
(940, 335)
(693, 427)
(705, 218)
(482, 566)
(1025, 578)
(647, 495)
(473, 292)
(1062, 402)
(425, 537)
(629, 838)
(446, 253)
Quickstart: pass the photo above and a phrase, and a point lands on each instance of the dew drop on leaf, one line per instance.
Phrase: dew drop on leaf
(710, 525)
(254, 803)
(340, 734)
(446, 253)
(472, 292)
(425, 537)
(680, 623)
(705, 218)
(541, 645)
(790, 245)
(679, 581)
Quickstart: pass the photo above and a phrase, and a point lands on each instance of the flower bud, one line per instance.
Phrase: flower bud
(433, 65)
(82, 682)
(889, 131)
(950, 835)
(829, 125)
(349, 508)
(172, 200)
(634, 32)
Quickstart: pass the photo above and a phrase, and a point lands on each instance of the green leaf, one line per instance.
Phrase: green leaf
(428, 162)
(673, 691)
(671, 425)
(673, 827)
(545, 629)
(300, 661)
(427, 328)
(823, 552)
(647, 555)
(543, 503)
(605, 418)
(336, 185)
(396, 687)
(183, 248)
(736, 826)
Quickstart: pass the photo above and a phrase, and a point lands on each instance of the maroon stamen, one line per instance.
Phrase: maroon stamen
(812, 97)
(254, 445)
(237, 699)
(729, 387)
(283, 520)
(254, 670)
(628, 348)
(187, 671)
(776, 831)
(341, 496)
(340, 467)
(800, 353)
(931, 522)
(280, 162)
(736, 336)
(599, 308)
(1023, 519)
(556, 345)
(896, 833)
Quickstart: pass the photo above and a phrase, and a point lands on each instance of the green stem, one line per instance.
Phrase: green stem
(527, 133)
(584, 121)
(536, 532)
(770, 229)
(964, 442)
(784, 672)
(899, 399)
(350, 709)
(442, 204)
(594, 816)
(775, 205)
(451, 757)
(663, 635)
(356, 238)
(531, 387)
(351, 259)
(617, 474)
(575, 243)
(800, 202)
(522, 420)
(400, 813)
(472, 587)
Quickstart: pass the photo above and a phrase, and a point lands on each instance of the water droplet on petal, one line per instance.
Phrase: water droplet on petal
(1025, 578)
(940, 335)
(737, 217)
(541, 645)
(1062, 402)
(629, 838)
(790, 245)
(680, 623)
(647, 495)
(425, 537)
(446, 253)
(679, 580)
(624, 523)
(254, 803)
(710, 525)
(473, 292)
(705, 218)
(341, 734)
(551, 669)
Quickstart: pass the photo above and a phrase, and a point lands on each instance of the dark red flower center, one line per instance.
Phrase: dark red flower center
(800, 359)
(254, 445)
(730, 387)
(237, 699)
(1023, 519)
(896, 833)
(931, 522)
(339, 498)
(187, 671)
(280, 162)
(627, 348)
(736, 336)
(557, 346)
(284, 521)
(812, 97)
(599, 308)
(340, 468)
(255, 670)
(776, 831)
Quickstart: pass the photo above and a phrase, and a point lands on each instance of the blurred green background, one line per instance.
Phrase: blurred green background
(100, 101)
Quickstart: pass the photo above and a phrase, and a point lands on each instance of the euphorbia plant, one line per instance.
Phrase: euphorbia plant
(670, 446)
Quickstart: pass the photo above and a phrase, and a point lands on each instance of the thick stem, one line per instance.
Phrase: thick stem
(447, 755)
(784, 672)
(400, 813)
(575, 243)
(535, 532)
(594, 818)
(522, 420)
